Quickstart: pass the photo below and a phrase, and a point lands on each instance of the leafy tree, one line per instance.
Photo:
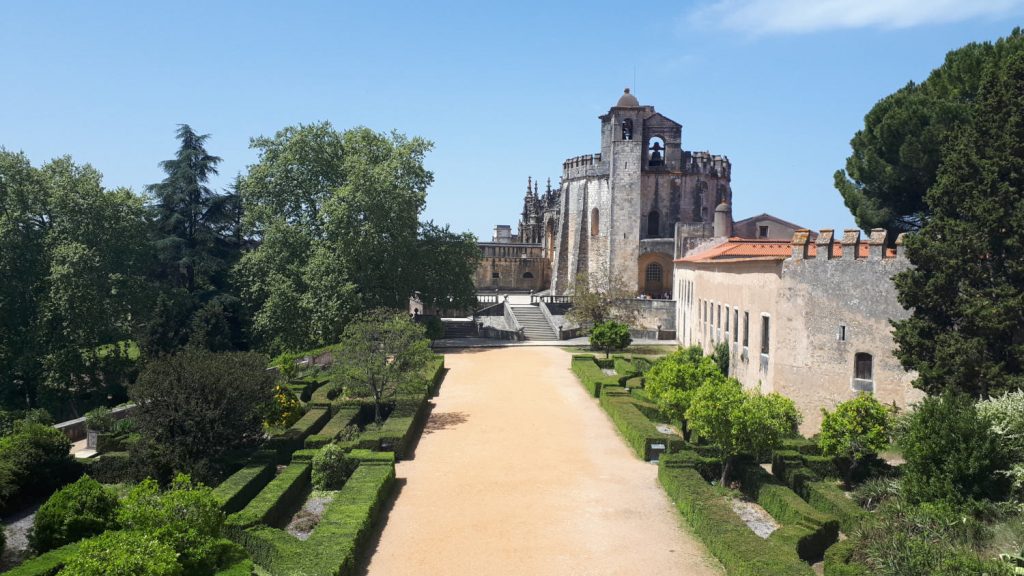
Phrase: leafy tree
(966, 290)
(123, 553)
(610, 336)
(672, 380)
(80, 510)
(951, 452)
(72, 257)
(338, 215)
(196, 405)
(447, 262)
(185, 516)
(897, 155)
(858, 428)
(738, 422)
(383, 351)
(599, 298)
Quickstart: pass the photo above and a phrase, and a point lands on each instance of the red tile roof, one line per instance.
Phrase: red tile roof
(747, 250)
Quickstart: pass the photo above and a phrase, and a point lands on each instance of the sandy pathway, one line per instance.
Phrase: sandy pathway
(520, 472)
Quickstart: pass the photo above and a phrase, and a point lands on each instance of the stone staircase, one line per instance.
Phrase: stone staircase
(535, 324)
(459, 328)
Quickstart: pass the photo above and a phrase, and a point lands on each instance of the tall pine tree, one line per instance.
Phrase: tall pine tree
(196, 241)
(967, 288)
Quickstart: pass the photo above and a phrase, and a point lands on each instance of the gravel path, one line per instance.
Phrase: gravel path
(520, 472)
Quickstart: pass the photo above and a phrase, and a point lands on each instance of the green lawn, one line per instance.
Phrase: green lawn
(648, 351)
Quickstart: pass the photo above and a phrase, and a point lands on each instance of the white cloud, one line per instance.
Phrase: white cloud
(802, 16)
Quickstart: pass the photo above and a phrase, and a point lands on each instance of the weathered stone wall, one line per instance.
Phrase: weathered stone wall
(835, 308)
(517, 266)
(822, 311)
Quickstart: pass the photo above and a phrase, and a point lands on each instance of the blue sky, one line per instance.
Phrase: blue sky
(505, 90)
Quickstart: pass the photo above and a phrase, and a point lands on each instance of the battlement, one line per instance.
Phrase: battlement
(706, 163)
(586, 165)
(849, 247)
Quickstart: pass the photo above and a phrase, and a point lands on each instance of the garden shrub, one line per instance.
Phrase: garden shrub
(123, 553)
(1005, 415)
(77, 511)
(838, 560)
(186, 516)
(331, 468)
(35, 460)
(935, 538)
(434, 328)
(99, 419)
(951, 453)
(858, 429)
(285, 409)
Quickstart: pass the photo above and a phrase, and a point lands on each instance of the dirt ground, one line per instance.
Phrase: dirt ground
(520, 472)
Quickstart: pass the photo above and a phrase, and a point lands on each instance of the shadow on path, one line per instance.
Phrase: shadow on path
(379, 525)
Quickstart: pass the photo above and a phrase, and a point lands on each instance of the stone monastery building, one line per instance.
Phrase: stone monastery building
(804, 314)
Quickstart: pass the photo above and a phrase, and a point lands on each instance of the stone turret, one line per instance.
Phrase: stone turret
(723, 221)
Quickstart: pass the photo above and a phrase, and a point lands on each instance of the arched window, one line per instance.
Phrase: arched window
(656, 152)
(527, 275)
(627, 129)
(595, 222)
(653, 224)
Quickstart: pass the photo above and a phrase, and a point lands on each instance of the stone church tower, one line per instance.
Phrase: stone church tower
(616, 214)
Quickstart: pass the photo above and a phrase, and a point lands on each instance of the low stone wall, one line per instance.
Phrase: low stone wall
(75, 429)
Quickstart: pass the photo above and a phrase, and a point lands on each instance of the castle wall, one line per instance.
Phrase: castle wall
(823, 308)
(836, 308)
(512, 266)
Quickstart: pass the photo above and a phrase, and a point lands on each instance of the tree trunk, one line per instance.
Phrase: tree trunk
(848, 480)
(726, 468)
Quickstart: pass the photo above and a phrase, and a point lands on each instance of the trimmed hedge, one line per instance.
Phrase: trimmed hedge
(342, 418)
(708, 467)
(242, 486)
(804, 528)
(275, 503)
(588, 370)
(46, 564)
(293, 438)
(241, 568)
(710, 515)
(638, 431)
(338, 541)
(837, 560)
(110, 468)
(829, 498)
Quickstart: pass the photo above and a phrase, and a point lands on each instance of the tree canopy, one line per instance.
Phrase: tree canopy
(897, 155)
(966, 290)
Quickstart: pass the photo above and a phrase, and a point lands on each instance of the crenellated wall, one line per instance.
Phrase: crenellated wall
(826, 301)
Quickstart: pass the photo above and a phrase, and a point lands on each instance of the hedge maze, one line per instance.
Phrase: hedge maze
(272, 483)
(799, 493)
